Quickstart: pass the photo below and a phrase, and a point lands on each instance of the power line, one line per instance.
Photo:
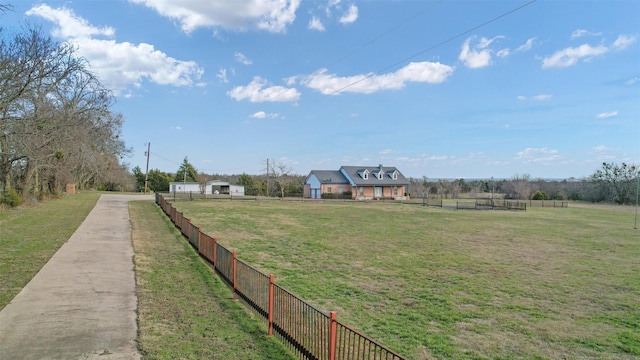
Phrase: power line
(435, 46)
(390, 30)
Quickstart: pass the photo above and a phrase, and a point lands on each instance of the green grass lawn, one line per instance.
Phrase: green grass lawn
(30, 235)
(184, 311)
(432, 283)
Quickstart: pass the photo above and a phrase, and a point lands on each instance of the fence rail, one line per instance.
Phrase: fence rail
(307, 331)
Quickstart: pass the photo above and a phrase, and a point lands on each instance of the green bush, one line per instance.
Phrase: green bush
(539, 195)
(328, 196)
(12, 198)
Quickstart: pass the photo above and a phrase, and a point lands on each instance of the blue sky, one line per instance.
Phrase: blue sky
(443, 89)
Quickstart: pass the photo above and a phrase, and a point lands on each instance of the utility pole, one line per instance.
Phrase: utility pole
(146, 173)
(267, 177)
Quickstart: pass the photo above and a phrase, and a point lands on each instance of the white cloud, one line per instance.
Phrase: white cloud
(242, 59)
(540, 97)
(69, 24)
(315, 24)
(623, 41)
(331, 84)
(538, 155)
(526, 46)
(118, 64)
(579, 33)
(479, 55)
(259, 91)
(269, 15)
(503, 53)
(606, 115)
(350, 16)
(386, 152)
(633, 80)
(263, 115)
(259, 115)
(570, 56)
(222, 75)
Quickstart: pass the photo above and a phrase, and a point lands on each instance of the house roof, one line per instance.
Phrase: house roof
(355, 173)
(329, 176)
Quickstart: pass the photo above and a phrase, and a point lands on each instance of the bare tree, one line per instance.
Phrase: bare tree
(518, 187)
(282, 175)
(56, 125)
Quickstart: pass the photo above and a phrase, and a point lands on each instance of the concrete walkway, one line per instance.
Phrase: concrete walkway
(82, 303)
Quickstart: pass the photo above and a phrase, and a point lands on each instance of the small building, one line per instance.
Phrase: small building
(224, 188)
(185, 187)
(210, 187)
(364, 183)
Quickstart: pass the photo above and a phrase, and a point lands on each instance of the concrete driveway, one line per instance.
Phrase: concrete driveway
(82, 304)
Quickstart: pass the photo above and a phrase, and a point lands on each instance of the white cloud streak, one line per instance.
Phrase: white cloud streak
(241, 15)
(331, 84)
(585, 52)
(479, 55)
(260, 91)
(315, 24)
(540, 97)
(242, 59)
(350, 16)
(538, 155)
(606, 115)
(570, 56)
(118, 64)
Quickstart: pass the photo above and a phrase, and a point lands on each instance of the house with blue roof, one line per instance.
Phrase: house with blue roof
(363, 182)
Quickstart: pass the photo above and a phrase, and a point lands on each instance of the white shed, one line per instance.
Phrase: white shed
(185, 187)
(224, 188)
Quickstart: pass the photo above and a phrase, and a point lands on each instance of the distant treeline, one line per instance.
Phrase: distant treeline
(612, 183)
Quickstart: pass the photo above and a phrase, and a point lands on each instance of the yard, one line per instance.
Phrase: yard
(433, 283)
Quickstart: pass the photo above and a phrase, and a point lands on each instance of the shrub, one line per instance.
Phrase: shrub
(539, 195)
(328, 195)
(12, 198)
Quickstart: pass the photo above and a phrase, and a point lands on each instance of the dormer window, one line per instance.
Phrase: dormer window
(380, 175)
(394, 176)
(364, 174)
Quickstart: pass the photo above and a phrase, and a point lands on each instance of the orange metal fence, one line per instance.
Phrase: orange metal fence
(307, 331)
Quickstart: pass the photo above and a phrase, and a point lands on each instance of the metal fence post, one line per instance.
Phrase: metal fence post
(271, 281)
(333, 334)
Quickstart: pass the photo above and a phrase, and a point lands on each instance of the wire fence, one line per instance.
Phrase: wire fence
(307, 331)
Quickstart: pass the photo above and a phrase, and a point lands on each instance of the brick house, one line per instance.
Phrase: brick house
(364, 182)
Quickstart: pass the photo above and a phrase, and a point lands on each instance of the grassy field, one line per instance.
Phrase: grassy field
(431, 283)
(184, 312)
(30, 235)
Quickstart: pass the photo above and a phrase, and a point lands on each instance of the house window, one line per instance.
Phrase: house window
(395, 191)
(380, 174)
(329, 189)
(365, 175)
(362, 191)
(395, 175)
(340, 190)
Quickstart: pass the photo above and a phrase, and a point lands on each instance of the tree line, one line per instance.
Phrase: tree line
(613, 183)
(278, 181)
(56, 122)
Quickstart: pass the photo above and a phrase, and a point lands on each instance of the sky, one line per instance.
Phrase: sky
(442, 89)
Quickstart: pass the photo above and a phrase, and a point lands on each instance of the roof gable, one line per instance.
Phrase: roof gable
(379, 175)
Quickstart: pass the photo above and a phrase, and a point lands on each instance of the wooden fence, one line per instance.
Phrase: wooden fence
(307, 331)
